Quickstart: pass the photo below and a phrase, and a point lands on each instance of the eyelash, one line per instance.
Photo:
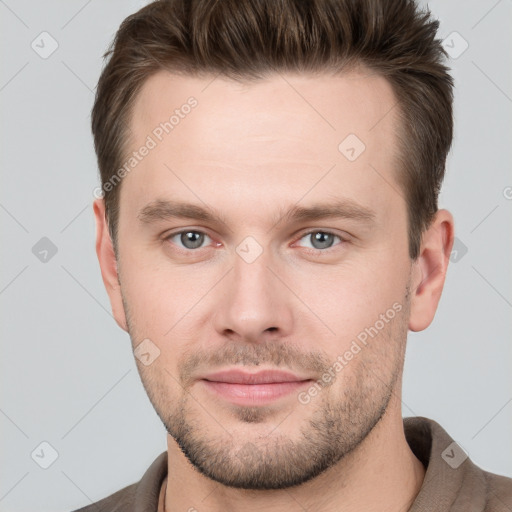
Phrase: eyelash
(305, 234)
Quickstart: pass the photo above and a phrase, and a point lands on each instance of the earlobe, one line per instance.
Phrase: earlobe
(108, 264)
(429, 270)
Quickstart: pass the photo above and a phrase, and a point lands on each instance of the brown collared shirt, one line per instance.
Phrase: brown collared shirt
(452, 482)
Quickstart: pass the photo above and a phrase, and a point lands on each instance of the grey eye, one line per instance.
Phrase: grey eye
(191, 239)
(320, 239)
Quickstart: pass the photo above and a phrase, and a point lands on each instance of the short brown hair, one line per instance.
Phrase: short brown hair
(250, 39)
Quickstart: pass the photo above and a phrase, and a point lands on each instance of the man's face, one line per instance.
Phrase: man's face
(259, 289)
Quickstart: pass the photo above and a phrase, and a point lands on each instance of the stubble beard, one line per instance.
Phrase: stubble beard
(335, 428)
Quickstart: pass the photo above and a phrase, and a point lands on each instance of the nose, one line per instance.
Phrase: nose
(254, 304)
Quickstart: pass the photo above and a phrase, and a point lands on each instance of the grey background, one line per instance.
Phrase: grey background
(68, 374)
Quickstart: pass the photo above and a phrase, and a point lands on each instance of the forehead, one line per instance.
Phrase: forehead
(278, 135)
(299, 104)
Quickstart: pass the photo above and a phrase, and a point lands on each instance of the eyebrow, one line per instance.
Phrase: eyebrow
(346, 209)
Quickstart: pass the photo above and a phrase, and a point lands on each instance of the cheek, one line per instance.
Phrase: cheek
(162, 298)
(345, 305)
(351, 297)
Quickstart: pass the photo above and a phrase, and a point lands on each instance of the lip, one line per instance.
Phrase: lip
(236, 376)
(244, 388)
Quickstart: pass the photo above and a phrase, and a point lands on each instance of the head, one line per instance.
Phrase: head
(270, 174)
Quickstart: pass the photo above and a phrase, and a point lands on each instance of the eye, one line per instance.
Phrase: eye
(189, 239)
(320, 240)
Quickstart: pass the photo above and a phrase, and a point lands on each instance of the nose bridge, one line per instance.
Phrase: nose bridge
(254, 300)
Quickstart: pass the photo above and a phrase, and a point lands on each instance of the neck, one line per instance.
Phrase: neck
(382, 474)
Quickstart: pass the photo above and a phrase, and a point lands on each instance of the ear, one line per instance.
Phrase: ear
(108, 264)
(429, 270)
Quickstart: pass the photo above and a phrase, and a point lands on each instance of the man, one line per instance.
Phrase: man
(268, 232)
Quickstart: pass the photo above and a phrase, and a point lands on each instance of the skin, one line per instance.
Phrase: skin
(250, 152)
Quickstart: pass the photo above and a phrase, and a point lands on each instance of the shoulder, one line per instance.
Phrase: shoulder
(452, 480)
(499, 492)
(142, 495)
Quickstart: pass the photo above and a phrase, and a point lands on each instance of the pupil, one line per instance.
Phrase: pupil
(192, 239)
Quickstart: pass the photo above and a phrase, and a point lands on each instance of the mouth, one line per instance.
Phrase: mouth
(244, 388)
